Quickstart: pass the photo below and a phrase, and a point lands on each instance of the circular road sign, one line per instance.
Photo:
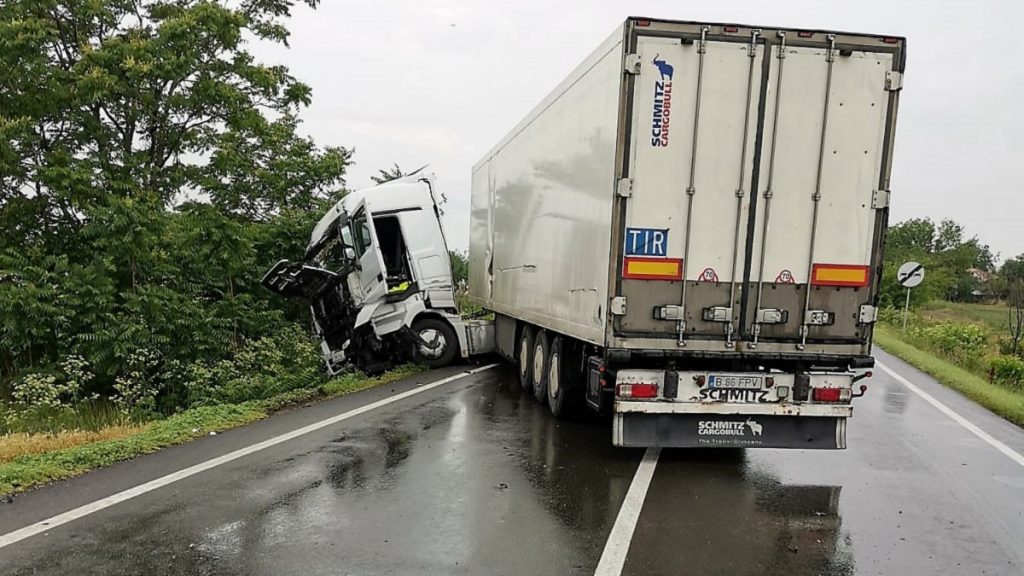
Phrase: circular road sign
(910, 275)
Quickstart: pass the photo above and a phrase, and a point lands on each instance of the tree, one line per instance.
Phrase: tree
(388, 175)
(460, 266)
(128, 97)
(948, 259)
(1015, 315)
(1013, 269)
(151, 170)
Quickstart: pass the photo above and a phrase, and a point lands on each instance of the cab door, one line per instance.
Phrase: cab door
(370, 272)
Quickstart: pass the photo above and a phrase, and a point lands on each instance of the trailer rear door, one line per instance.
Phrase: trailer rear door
(752, 197)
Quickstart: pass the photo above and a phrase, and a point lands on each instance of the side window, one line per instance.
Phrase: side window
(361, 231)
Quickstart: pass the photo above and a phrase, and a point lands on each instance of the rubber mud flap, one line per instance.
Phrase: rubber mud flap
(731, 431)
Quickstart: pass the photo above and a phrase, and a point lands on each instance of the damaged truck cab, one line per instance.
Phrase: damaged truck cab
(378, 278)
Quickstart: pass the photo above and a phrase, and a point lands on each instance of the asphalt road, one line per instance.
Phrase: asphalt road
(473, 477)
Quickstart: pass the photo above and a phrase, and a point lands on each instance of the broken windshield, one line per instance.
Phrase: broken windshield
(335, 250)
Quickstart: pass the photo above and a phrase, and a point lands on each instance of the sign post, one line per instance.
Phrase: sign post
(909, 275)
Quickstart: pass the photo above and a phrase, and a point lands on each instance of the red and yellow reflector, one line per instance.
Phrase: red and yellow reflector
(839, 275)
(645, 268)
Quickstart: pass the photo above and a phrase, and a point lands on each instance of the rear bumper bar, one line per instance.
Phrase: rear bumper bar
(715, 408)
(803, 427)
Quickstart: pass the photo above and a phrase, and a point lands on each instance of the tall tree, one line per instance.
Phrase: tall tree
(150, 169)
(125, 98)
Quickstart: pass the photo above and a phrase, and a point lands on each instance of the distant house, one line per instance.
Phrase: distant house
(981, 292)
(982, 276)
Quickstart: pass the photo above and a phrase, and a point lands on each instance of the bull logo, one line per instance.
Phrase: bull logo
(755, 428)
(664, 67)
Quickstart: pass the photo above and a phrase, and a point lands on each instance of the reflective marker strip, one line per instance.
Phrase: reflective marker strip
(839, 275)
(640, 268)
(85, 510)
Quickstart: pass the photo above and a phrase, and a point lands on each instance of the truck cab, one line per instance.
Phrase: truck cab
(378, 278)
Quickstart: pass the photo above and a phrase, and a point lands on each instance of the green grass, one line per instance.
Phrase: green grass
(1002, 401)
(991, 316)
(33, 470)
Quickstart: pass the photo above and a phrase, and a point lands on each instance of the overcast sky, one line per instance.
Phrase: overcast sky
(441, 81)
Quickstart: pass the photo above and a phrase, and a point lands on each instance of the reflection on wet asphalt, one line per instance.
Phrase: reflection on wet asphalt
(478, 478)
(471, 482)
(714, 509)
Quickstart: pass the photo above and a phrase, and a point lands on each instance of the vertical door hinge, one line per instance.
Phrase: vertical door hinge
(632, 64)
(618, 306)
(868, 314)
(624, 187)
(880, 199)
(893, 80)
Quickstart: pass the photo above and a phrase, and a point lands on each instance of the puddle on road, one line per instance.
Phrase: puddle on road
(723, 512)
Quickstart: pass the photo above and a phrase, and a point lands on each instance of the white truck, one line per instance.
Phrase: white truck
(686, 234)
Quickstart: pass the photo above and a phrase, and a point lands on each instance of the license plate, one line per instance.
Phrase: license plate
(735, 382)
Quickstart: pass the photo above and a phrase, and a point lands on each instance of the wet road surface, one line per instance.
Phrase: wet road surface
(474, 477)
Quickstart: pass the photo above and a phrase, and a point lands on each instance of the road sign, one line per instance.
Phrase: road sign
(910, 275)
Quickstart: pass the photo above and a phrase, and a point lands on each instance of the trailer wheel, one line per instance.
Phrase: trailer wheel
(526, 358)
(541, 356)
(559, 378)
(439, 343)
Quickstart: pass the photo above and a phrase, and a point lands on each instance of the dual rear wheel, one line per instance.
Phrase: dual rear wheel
(547, 369)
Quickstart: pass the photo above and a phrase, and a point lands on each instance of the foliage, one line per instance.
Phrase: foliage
(962, 343)
(946, 254)
(460, 266)
(1013, 269)
(1007, 371)
(1015, 316)
(1003, 401)
(393, 173)
(151, 170)
(33, 469)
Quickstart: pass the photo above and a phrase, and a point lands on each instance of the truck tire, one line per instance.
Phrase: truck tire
(525, 358)
(560, 379)
(541, 355)
(443, 342)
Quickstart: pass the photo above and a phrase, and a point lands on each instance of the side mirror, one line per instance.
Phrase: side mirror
(350, 253)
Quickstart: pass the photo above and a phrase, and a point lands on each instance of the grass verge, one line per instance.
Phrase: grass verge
(34, 465)
(1006, 403)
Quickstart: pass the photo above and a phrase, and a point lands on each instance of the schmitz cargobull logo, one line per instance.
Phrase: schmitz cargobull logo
(662, 103)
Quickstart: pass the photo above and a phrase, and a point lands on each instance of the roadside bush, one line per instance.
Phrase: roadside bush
(263, 367)
(1007, 371)
(963, 343)
(894, 317)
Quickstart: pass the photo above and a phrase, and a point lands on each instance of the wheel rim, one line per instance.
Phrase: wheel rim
(538, 364)
(553, 376)
(435, 344)
(524, 357)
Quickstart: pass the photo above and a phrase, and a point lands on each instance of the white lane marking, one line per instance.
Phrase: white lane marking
(970, 426)
(85, 510)
(614, 556)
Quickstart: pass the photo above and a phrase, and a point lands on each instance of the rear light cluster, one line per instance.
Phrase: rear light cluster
(831, 394)
(638, 390)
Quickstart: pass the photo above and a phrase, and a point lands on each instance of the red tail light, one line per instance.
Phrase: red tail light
(805, 34)
(830, 394)
(730, 29)
(636, 390)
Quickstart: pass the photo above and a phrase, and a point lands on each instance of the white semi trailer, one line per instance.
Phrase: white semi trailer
(686, 233)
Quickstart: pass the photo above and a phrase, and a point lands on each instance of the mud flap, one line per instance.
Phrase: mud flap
(728, 431)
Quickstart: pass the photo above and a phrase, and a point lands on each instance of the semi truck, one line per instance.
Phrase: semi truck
(685, 234)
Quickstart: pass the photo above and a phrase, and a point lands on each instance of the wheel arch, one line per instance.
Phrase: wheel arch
(453, 320)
